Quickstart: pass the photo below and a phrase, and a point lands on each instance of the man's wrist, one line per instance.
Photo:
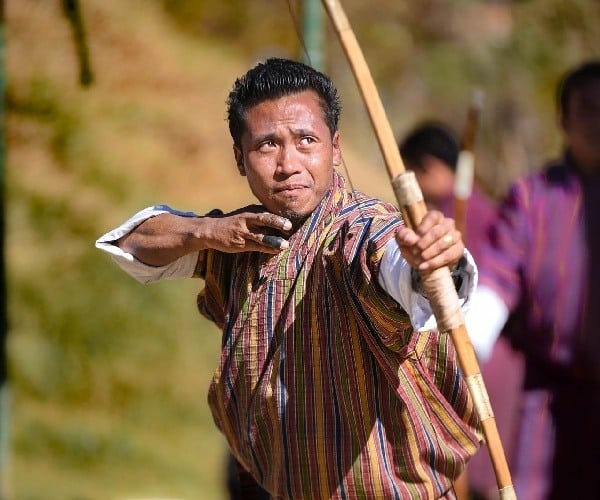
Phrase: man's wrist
(457, 274)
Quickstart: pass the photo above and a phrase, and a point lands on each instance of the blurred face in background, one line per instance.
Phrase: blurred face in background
(581, 125)
(436, 180)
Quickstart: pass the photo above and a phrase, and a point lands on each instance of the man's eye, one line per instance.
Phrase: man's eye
(307, 140)
(267, 145)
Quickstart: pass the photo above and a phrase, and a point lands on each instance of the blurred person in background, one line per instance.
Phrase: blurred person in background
(332, 382)
(431, 150)
(540, 270)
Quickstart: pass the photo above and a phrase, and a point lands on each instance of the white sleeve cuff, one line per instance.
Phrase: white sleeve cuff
(484, 321)
(180, 268)
(395, 277)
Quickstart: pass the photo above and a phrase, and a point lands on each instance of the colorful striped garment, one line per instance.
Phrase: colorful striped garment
(323, 390)
(542, 260)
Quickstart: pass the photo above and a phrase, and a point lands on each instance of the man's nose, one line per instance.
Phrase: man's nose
(287, 161)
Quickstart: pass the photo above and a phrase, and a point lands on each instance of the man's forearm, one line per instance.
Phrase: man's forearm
(162, 239)
(162, 243)
(152, 243)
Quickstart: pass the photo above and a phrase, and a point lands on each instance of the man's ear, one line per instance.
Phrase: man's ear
(239, 160)
(337, 152)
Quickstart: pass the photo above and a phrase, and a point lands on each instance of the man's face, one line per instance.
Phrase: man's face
(287, 153)
(436, 180)
(581, 125)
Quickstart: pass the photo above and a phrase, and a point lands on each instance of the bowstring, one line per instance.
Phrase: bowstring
(299, 35)
(292, 11)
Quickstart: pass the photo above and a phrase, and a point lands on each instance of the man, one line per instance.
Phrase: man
(431, 150)
(541, 265)
(324, 389)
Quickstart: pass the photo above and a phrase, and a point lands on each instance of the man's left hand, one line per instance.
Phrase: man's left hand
(433, 244)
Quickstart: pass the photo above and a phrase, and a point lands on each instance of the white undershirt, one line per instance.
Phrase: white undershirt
(395, 277)
(485, 319)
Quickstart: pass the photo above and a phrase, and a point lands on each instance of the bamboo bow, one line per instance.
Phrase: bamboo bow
(438, 284)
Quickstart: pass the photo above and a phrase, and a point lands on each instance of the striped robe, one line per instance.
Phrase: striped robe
(323, 390)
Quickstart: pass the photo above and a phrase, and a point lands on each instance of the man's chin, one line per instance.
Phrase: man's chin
(296, 218)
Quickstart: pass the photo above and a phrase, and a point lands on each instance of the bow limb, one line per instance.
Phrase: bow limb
(438, 285)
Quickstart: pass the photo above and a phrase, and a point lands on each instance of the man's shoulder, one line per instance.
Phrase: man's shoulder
(372, 218)
(547, 190)
(361, 205)
(552, 173)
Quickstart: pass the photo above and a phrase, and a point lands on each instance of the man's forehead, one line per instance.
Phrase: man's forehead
(307, 98)
(304, 107)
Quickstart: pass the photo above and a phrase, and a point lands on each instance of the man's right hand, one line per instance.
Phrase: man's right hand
(246, 230)
(162, 239)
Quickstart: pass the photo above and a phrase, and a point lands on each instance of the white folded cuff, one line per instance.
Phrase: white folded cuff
(180, 268)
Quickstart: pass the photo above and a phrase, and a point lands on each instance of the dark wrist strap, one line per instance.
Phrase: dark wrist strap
(457, 274)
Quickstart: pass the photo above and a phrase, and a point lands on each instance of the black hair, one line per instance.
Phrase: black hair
(275, 78)
(429, 138)
(573, 81)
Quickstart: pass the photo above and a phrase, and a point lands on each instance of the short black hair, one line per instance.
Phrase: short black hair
(429, 138)
(275, 78)
(573, 81)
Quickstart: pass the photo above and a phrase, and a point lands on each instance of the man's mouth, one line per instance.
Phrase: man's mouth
(290, 188)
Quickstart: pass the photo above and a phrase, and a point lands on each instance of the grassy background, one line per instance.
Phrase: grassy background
(109, 377)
